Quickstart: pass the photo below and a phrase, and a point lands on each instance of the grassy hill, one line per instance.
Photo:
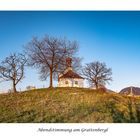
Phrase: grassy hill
(68, 105)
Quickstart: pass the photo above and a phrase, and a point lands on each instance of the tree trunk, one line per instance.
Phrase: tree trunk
(51, 79)
(14, 87)
(96, 85)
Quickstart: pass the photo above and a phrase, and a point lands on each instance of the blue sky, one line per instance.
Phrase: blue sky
(110, 37)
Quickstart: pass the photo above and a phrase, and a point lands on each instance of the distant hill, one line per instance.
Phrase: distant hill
(68, 105)
(131, 91)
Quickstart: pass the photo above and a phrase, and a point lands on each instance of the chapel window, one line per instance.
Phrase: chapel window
(66, 82)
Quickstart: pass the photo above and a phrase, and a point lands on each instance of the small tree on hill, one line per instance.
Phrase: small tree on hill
(12, 69)
(97, 74)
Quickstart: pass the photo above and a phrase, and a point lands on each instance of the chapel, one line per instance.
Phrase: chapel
(69, 78)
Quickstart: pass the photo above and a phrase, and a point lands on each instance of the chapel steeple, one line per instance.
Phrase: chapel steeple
(68, 62)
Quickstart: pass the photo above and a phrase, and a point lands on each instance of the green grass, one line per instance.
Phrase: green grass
(68, 105)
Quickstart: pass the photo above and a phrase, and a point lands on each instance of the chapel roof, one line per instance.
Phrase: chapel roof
(71, 74)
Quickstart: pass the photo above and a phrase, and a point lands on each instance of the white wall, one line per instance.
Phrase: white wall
(71, 82)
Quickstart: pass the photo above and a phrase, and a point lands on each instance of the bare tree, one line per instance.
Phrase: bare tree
(12, 69)
(49, 54)
(97, 74)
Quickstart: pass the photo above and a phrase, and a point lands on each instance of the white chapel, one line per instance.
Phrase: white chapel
(69, 78)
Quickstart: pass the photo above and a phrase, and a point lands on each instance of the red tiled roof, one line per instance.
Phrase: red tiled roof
(71, 74)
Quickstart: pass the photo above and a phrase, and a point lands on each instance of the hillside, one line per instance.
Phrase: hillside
(68, 105)
(131, 90)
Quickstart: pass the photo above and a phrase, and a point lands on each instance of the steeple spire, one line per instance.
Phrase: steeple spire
(68, 62)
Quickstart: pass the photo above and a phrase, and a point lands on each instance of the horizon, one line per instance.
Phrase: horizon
(106, 36)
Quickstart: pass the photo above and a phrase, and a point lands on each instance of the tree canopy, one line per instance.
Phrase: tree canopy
(49, 54)
(12, 69)
(97, 74)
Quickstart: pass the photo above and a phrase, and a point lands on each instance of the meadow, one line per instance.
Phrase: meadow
(68, 105)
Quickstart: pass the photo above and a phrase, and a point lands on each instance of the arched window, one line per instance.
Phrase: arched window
(66, 82)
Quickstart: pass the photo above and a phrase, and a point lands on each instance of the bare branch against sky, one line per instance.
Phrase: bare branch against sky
(12, 69)
(49, 55)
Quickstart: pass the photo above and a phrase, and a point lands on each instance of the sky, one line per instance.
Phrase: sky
(112, 37)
